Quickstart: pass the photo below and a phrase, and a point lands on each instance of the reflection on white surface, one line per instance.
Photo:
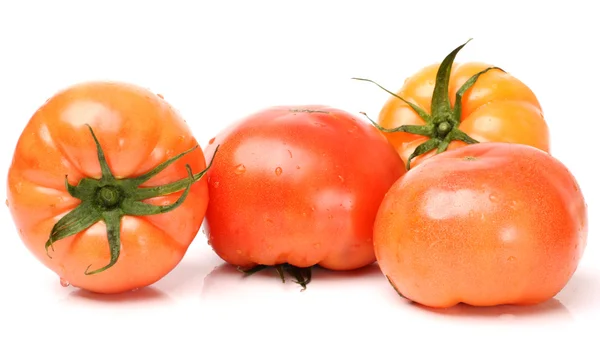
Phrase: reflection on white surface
(204, 299)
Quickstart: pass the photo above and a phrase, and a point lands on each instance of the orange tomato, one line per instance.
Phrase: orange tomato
(485, 224)
(424, 118)
(101, 187)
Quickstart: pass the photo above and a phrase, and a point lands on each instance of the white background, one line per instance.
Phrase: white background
(216, 61)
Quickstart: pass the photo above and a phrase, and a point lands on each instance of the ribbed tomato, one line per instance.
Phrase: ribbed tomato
(447, 105)
(101, 186)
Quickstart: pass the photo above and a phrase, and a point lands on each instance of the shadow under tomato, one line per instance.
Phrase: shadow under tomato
(368, 272)
(187, 277)
(550, 308)
(579, 294)
(582, 292)
(143, 295)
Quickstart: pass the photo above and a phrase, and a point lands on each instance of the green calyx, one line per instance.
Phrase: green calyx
(302, 275)
(442, 125)
(108, 199)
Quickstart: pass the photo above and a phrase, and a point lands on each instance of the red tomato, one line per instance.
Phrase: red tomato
(298, 186)
(485, 224)
(98, 186)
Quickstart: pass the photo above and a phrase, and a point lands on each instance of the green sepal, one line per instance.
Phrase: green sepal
(440, 101)
(303, 275)
(422, 113)
(457, 111)
(442, 125)
(77, 220)
(137, 208)
(108, 199)
(424, 148)
(112, 219)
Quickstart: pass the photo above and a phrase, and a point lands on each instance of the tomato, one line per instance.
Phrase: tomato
(447, 106)
(101, 187)
(485, 224)
(298, 186)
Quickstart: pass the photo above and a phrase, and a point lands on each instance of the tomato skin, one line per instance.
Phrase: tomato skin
(497, 108)
(138, 130)
(485, 224)
(299, 187)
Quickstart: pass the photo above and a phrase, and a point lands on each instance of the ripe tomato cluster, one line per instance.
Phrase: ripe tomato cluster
(452, 191)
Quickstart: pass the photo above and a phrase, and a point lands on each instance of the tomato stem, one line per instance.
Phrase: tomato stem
(108, 199)
(303, 275)
(442, 125)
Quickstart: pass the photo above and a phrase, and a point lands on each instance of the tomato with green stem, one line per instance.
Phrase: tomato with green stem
(101, 186)
(446, 106)
(298, 186)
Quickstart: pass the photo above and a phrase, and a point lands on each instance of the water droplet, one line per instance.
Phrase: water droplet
(215, 184)
(169, 153)
(160, 96)
(304, 214)
(239, 252)
(317, 245)
(493, 198)
(181, 137)
(514, 205)
(312, 208)
(64, 283)
(278, 171)
(212, 140)
(290, 153)
(19, 187)
(330, 217)
(352, 129)
(240, 169)
(297, 167)
(512, 258)
(341, 178)
(135, 289)
(319, 124)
